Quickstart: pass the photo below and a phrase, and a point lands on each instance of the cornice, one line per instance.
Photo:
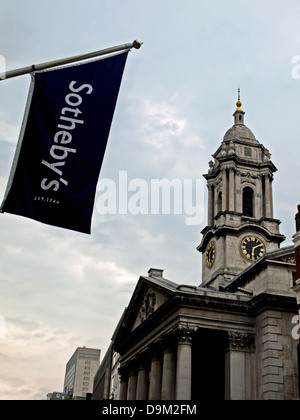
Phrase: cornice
(265, 301)
(253, 225)
(239, 162)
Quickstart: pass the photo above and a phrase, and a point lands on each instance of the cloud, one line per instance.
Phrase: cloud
(165, 138)
(31, 345)
(9, 132)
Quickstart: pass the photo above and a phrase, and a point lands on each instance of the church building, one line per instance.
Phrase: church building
(230, 338)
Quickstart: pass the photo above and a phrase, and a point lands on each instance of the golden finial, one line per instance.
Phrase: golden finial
(239, 103)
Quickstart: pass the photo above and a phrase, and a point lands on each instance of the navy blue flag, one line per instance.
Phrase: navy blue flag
(62, 143)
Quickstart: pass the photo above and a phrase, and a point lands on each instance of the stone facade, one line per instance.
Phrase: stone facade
(244, 342)
(102, 378)
(276, 356)
(296, 320)
(296, 240)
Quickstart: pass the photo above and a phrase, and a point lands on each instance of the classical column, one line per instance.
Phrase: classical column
(259, 205)
(268, 196)
(142, 380)
(183, 389)
(239, 369)
(271, 196)
(239, 195)
(210, 206)
(132, 383)
(155, 379)
(123, 372)
(231, 190)
(168, 374)
(224, 190)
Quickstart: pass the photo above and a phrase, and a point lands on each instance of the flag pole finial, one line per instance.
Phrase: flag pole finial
(137, 44)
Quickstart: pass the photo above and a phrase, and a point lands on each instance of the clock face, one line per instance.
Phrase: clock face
(252, 248)
(210, 254)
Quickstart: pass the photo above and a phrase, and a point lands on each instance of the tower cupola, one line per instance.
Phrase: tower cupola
(239, 113)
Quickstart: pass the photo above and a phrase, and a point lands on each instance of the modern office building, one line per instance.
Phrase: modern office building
(80, 372)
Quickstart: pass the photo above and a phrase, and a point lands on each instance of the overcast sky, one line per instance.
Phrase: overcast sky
(61, 289)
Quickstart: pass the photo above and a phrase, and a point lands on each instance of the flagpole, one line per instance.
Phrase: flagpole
(61, 62)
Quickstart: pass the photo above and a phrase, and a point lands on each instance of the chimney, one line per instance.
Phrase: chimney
(155, 272)
(297, 218)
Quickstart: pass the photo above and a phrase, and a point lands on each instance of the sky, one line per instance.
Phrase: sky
(61, 289)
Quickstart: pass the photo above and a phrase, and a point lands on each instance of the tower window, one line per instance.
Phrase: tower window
(248, 151)
(248, 202)
(219, 203)
(294, 274)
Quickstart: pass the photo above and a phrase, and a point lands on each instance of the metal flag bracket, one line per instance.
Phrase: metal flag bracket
(50, 64)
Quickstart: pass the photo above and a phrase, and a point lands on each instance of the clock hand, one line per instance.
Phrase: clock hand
(257, 246)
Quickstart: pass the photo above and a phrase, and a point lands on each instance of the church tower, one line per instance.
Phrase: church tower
(240, 226)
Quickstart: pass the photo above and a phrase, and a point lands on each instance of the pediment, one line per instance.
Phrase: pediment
(150, 301)
(288, 258)
(149, 296)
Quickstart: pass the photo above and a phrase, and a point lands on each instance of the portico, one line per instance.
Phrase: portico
(174, 372)
(165, 360)
(181, 342)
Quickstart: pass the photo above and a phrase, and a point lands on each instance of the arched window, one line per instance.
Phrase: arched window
(248, 202)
